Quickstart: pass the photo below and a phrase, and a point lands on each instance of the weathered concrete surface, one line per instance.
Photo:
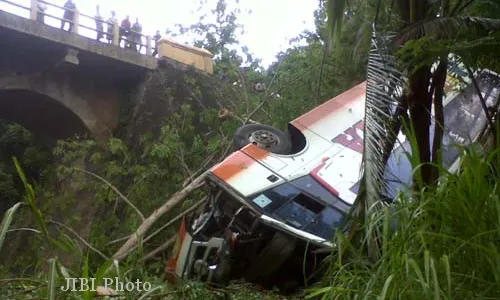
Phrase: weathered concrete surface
(165, 90)
(36, 30)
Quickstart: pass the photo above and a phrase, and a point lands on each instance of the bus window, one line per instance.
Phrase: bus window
(295, 213)
(325, 224)
(313, 188)
(274, 198)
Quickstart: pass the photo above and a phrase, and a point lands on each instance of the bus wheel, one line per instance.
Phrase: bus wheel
(263, 136)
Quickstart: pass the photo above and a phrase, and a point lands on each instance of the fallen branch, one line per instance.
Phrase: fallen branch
(159, 250)
(225, 113)
(114, 189)
(248, 119)
(177, 218)
(266, 99)
(118, 240)
(171, 240)
(204, 164)
(131, 243)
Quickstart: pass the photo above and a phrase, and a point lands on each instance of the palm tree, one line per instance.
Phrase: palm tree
(407, 89)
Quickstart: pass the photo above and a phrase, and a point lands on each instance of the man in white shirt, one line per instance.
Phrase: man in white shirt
(99, 24)
(111, 23)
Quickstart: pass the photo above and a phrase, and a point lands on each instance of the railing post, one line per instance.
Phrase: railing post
(33, 9)
(116, 34)
(149, 50)
(76, 21)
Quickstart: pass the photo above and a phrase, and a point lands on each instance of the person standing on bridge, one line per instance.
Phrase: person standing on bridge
(69, 15)
(156, 39)
(135, 35)
(40, 14)
(99, 24)
(112, 22)
(125, 31)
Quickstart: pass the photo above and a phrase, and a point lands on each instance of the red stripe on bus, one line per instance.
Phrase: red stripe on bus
(314, 174)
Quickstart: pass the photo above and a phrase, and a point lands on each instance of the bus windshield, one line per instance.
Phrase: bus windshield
(304, 204)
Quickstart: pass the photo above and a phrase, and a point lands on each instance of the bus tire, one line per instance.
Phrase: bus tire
(264, 136)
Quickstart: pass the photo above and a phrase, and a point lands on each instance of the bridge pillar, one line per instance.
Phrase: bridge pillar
(116, 34)
(149, 49)
(76, 21)
(33, 9)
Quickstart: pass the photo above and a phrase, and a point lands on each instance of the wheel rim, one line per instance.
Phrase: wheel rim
(264, 139)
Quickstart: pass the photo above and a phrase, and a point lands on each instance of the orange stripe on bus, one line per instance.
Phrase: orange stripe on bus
(239, 161)
(232, 165)
(255, 152)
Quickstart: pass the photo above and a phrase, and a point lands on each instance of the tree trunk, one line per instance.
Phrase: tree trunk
(420, 102)
(438, 82)
(394, 128)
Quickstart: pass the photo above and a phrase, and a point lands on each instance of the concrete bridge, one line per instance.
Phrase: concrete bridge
(58, 83)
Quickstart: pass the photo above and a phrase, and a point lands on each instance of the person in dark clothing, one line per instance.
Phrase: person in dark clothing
(135, 35)
(125, 31)
(156, 39)
(69, 15)
(99, 27)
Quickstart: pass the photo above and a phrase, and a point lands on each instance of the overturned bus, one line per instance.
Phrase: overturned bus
(275, 203)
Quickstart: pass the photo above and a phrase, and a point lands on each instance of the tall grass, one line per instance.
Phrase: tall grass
(445, 245)
(6, 221)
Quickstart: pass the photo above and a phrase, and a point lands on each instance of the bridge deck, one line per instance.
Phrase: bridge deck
(23, 26)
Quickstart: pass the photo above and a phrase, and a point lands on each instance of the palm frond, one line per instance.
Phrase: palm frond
(384, 100)
(384, 104)
(460, 6)
(445, 28)
(335, 12)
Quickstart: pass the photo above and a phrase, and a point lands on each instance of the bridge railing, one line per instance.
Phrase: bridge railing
(112, 33)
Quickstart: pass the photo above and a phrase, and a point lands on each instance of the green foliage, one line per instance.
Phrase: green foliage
(6, 221)
(17, 141)
(335, 19)
(153, 171)
(307, 74)
(29, 198)
(445, 246)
